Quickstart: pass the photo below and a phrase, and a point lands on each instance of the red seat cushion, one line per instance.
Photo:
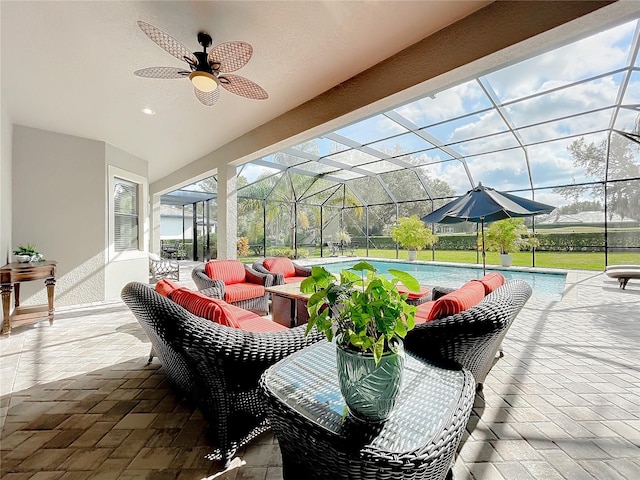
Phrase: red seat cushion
(414, 295)
(470, 294)
(165, 286)
(294, 279)
(203, 306)
(242, 291)
(491, 281)
(280, 265)
(229, 271)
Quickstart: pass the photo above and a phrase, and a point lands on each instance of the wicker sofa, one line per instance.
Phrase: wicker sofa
(282, 269)
(472, 338)
(214, 366)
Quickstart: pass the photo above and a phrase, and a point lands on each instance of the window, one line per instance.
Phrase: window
(127, 214)
(125, 209)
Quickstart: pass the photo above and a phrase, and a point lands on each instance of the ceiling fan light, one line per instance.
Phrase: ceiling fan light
(204, 81)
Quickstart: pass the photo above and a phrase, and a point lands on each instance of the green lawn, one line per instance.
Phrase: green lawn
(567, 260)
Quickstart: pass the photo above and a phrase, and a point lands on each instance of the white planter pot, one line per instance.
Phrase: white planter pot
(506, 259)
(413, 254)
(22, 258)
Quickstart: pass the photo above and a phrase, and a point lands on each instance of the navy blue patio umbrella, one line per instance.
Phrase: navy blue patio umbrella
(483, 204)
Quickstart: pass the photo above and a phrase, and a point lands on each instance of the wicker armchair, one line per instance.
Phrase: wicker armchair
(216, 367)
(244, 287)
(473, 337)
(282, 269)
(163, 268)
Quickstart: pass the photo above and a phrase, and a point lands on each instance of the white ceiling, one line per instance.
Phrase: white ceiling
(68, 66)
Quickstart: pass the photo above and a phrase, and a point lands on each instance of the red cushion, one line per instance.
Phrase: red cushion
(470, 294)
(203, 306)
(280, 265)
(414, 295)
(165, 286)
(491, 281)
(260, 325)
(242, 291)
(229, 271)
(423, 312)
(293, 279)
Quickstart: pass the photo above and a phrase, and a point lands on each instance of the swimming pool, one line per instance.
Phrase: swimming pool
(549, 284)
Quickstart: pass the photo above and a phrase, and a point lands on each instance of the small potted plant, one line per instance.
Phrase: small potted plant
(368, 318)
(412, 234)
(27, 253)
(506, 236)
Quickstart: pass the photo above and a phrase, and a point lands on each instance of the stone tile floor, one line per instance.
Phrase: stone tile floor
(78, 401)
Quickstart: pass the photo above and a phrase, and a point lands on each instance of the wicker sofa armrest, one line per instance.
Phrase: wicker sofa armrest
(302, 271)
(253, 276)
(204, 282)
(259, 267)
(439, 292)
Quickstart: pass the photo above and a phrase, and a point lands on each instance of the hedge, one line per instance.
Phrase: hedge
(549, 242)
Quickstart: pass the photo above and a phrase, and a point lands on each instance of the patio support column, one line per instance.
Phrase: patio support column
(154, 224)
(227, 213)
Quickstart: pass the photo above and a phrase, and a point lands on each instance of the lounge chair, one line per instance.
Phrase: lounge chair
(623, 273)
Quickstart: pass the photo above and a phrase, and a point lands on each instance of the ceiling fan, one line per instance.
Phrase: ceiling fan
(207, 71)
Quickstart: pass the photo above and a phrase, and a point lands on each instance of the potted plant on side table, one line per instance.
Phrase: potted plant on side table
(506, 236)
(368, 318)
(412, 234)
(27, 254)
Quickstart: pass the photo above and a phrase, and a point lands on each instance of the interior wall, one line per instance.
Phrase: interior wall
(58, 204)
(120, 269)
(6, 130)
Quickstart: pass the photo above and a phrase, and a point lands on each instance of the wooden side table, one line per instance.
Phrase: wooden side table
(11, 275)
(289, 304)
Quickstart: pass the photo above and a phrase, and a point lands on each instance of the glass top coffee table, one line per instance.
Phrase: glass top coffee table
(319, 440)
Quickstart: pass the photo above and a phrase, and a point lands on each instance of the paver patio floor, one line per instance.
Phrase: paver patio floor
(77, 399)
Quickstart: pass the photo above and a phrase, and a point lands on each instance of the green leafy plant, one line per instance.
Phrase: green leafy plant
(509, 235)
(29, 250)
(363, 310)
(412, 234)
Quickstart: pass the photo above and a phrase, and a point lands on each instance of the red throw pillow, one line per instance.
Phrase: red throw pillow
(411, 295)
(164, 287)
(203, 306)
(470, 294)
(491, 281)
(280, 265)
(229, 271)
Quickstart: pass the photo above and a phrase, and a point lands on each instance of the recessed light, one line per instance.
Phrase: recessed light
(148, 111)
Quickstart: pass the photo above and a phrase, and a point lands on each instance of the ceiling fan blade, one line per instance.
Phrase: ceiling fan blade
(161, 72)
(167, 42)
(207, 98)
(243, 86)
(231, 55)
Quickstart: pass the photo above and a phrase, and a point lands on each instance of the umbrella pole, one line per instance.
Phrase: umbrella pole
(484, 262)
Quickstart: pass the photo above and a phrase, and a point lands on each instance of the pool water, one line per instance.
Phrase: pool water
(550, 285)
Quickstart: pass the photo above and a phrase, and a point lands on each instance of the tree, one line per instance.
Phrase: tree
(623, 197)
